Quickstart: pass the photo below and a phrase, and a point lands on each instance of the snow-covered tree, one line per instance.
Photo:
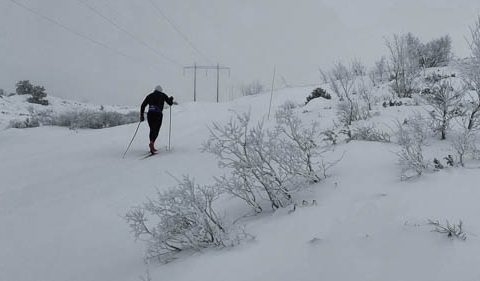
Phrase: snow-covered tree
(342, 82)
(470, 73)
(379, 73)
(404, 63)
(444, 101)
(358, 68)
(24, 87)
(38, 96)
(437, 52)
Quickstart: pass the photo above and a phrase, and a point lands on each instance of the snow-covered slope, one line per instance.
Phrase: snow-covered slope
(63, 194)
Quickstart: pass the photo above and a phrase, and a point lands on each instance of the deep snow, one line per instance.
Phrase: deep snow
(63, 194)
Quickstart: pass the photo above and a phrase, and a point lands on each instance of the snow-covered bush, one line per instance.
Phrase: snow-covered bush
(318, 93)
(350, 110)
(253, 88)
(180, 219)
(444, 101)
(93, 119)
(263, 163)
(368, 132)
(412, 138)
(413, 130)
(30, 122)
(411, 161)
(464, 144)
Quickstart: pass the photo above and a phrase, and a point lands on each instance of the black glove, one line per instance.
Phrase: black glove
(142, 118)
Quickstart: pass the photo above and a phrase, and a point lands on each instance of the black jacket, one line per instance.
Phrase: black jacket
(155, 100)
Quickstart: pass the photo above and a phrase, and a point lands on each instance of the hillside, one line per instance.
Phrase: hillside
(16, 108)
(63, 194)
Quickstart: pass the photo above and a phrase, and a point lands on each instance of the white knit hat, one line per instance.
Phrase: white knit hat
(159, 88)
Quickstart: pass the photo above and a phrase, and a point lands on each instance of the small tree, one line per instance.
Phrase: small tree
(445, 101)
(342, 82)
(38, 96)
(358, 68)
(365, 93)
(436, 52)
(24, 87)
(2, 93)
(404, 63)
(379, 72)
(470, 73)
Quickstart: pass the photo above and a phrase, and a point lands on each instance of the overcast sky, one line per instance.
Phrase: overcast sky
(108, 64)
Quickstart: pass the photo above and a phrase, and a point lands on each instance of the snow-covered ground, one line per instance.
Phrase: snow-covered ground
(63, 194)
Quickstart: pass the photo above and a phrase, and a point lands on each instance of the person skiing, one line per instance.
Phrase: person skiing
(155, 102)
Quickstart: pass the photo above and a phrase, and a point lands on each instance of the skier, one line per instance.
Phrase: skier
(155, 103)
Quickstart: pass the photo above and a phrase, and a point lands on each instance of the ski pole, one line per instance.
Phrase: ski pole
(132, 139)
(170, 128)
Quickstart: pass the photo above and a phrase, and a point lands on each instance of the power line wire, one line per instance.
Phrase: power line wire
(143, 43)
(175, 27)
(61, 25)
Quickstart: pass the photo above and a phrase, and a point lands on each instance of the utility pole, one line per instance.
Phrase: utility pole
(195, 67)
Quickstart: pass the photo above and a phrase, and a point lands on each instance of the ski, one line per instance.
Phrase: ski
(150, 154)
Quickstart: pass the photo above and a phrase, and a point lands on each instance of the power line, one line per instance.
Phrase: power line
(195, 67)
(175, 27)
(61, 25)
(143, 43)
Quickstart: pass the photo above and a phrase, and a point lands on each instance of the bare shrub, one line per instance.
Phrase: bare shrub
(451, 230)
(369, 132)
(179, 219)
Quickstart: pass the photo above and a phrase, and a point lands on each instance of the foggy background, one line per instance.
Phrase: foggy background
(123, 48)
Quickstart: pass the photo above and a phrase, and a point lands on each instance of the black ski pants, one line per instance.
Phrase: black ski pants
(154, 122)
